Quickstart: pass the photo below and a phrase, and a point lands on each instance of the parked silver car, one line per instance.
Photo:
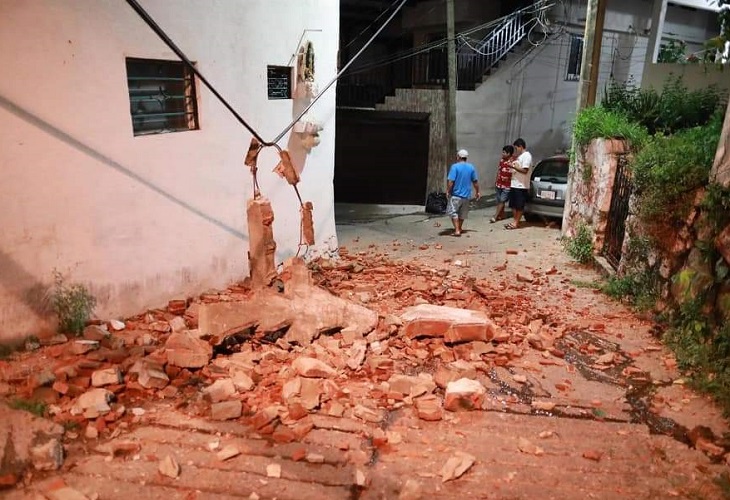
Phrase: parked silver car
(548, 182)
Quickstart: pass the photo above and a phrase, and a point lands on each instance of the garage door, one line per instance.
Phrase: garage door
(381, 157)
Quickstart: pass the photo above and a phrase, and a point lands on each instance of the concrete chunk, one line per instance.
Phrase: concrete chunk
(243, 382)
(83, 346)
(306, 309)
(65, 493)
(410, 385)
(452, 324)
(94, 399)
(25, 441)
(169, 467)
(47, 456)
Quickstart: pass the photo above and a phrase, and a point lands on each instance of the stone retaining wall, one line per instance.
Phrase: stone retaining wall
(688, 260)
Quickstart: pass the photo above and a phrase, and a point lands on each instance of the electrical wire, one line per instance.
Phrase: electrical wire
(163, 36)
(412, 52)
(339, 73)
(166, 39)
(370, 25)
(142, 13)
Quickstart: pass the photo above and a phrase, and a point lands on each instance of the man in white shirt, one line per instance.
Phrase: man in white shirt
(520, 184)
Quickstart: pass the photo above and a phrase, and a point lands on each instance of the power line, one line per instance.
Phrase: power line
(370, 25)
(166, 39)
(409, 53)
(339, 73)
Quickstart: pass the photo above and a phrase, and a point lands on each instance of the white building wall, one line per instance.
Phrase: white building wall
(145, 219)
(528, 96)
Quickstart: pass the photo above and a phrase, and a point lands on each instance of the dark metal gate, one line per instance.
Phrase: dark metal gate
(618, 211)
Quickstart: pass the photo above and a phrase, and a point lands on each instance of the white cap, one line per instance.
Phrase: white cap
(463, 153)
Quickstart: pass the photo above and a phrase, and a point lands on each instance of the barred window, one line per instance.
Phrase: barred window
(161, 96)
(575, 58)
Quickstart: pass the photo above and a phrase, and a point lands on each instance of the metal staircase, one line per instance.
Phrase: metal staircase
(474, 61)
(429, 68)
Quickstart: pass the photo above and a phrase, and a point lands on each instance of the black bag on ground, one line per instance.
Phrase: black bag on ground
(436, 203)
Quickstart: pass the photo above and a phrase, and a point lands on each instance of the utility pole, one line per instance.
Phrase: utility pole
(590, 63)
(588, 84)
(451, 58)
(659, 14)
(596, 52)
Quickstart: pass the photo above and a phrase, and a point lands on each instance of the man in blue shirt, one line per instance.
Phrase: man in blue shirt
(462, 176)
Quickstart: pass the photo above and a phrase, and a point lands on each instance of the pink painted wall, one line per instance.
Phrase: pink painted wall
(591, 188)
(144, 219)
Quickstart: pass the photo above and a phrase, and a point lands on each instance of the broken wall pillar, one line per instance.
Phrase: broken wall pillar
(307, 224)
(261, 246)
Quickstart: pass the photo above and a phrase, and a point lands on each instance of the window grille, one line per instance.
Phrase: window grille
(161, 96)
(575, 58)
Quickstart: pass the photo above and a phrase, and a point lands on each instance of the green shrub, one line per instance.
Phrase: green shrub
(672, 52)
(716, 205)
(638, 289)
(73, 304)
(675, 108)
(702, 350)
(669, 168)
(598, 122)
(580, 246)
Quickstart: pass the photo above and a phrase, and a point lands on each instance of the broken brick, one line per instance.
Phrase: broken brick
(297, 411)
(152, 378)
(429, 408)
(368, 414)
(185, 350)
(108, 376)
(313, 368)
(220, 390)
(226, 410)
(177, 307)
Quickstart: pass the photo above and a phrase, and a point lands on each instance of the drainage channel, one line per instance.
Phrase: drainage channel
(639, 387)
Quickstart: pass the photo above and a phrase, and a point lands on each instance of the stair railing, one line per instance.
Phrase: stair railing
(474, 60)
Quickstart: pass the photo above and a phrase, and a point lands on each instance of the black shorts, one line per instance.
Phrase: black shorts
(517, 198)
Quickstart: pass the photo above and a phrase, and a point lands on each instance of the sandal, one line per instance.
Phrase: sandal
(492, 220)
(511, 225)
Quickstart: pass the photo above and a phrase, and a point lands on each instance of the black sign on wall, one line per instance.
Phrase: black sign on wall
(279, 82)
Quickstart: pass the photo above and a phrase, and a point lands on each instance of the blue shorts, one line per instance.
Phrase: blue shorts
(502, 195)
